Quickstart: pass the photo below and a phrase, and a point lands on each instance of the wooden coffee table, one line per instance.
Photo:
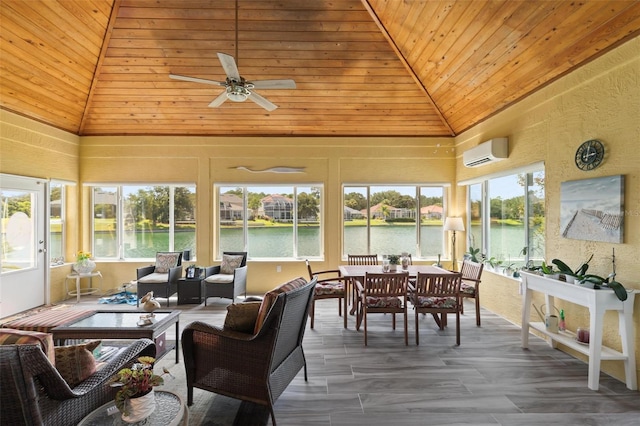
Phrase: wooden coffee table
(115, 325)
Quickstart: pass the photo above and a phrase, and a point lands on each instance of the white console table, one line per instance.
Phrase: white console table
(598, 301)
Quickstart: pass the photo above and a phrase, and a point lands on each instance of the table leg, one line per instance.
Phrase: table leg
(78, 289)
(625, 325)
(177, 342)
(596, 317)
(526, 315)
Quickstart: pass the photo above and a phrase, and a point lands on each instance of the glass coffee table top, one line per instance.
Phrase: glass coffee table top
(169, 411)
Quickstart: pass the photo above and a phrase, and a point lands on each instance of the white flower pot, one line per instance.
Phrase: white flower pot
(139, 408)
(84, 266)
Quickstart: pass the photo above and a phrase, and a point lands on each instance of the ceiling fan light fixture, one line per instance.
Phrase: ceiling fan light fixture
(237, 93)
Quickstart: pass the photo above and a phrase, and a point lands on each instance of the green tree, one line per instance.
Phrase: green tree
(307, 206)
(355, 201)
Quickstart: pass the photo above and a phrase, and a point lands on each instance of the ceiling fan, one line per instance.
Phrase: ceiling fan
(237, 89)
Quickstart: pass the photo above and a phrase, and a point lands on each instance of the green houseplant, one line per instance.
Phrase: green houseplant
(136, 382)
(474, 255)
(394, 261)
(575, 274)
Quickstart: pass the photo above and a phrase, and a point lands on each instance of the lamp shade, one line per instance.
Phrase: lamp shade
(453, 224)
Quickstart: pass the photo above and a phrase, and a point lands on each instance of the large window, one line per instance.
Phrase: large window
(506, 217)
(270, 221)
(394, 219)
(135, 222)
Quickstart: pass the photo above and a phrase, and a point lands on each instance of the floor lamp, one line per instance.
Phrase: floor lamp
(453, 224)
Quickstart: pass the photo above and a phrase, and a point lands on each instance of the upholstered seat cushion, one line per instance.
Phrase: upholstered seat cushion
(467, 288)
(383, 302)
(435, 302)
(219, 278)
(10, 336)
(329, 288)
(154, 278)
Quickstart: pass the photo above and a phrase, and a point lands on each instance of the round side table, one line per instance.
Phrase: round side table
(79, 292)
(169, 411)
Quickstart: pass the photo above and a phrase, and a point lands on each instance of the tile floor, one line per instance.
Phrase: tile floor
(487, 380)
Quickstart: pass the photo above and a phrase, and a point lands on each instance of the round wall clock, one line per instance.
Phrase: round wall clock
(589, 154)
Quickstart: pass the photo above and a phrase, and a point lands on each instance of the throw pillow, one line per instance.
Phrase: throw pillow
(10, 336)
(166, 261)
(230, 263)
(270, 298)
(76, 363)
(242, 316)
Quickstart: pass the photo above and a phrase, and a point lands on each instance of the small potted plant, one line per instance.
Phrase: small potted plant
(394, 261)
(135, 398)
(548, 271)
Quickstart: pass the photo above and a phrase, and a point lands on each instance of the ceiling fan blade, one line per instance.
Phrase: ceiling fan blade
(229, 66)
(219, 100)
(274, 84)
(196, 80)
(262, 101)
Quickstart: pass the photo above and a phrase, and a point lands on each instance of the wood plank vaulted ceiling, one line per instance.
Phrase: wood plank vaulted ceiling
(362, 67)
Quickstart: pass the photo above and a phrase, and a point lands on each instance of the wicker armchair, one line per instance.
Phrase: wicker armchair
(34, 393)
(162, 282)
(251, 367)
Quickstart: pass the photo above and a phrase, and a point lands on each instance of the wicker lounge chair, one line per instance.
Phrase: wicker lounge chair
(257, 366)
(34, 393)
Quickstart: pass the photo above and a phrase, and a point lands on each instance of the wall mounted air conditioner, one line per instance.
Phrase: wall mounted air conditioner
(493, 150)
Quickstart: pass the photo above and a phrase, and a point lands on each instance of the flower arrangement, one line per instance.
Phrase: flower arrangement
(81, 256)
(134, 382)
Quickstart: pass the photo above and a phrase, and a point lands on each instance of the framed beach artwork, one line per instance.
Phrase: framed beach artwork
(593, 209)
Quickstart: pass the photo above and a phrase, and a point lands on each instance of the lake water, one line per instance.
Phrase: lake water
(277, 242)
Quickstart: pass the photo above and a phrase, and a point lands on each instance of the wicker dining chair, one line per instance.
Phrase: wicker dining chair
(470, 286)
(384, 293)
(332, 286)
(437, 294)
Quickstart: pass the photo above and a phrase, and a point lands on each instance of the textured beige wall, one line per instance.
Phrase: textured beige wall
(599, 101)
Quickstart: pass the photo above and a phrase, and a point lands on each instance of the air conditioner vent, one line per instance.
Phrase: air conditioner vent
(493, 150)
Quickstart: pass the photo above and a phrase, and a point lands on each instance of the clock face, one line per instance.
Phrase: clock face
(589, 155)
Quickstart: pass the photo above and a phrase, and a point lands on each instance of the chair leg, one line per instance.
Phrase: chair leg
(406, 328)
(477, 311)
(364, 313)
(417, 333)
(458, 328)
(344, 317)
(312, 312)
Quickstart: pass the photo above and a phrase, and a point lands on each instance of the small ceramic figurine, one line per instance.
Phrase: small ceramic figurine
(149, 304)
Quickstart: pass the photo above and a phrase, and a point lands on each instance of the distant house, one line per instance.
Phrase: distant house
(277, 207)
(231, 207)
(350, 214)
(431, 212)
(392, 212)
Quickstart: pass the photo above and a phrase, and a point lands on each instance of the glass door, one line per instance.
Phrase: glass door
(23, 258)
